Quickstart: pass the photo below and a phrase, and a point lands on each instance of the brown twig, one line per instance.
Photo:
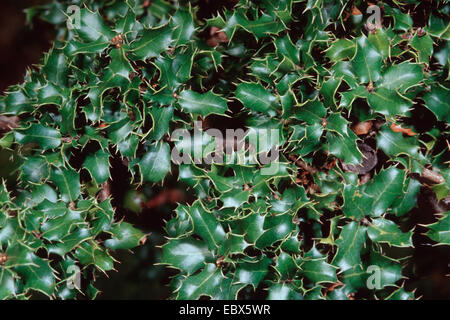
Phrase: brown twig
(302, 164)
(8, 123)
(432, 176)
(399, 128)
(105, 191)
(3, 258)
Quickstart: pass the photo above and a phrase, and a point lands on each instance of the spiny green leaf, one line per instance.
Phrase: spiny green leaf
(402, 76)
(25, 263)
(380, 41)
(315, 267)
(344, 146)
(206, 225)
(440, 231)
(404, 204)
(234, 198)
(124, 236)
(183, 23)
(394, 144)
(68, 183)
(35, 169)
(153, 42)
(384, 189)
(44, 137)
(8, 286)
(98, 165)
(91, 26)
(349, 244)
(367, 61)
(286, 266)
(119, 63)
(312, 112)
(202, 284)
(341, 49)
(282, 291)
(424, 46)
(255, 97)
(388, 102)
(438, 102)
(187, 255)
(90, 253)
(275, 229)
(252, 273)
(56, 229)
(234, 244)
(75, 47)
(388, 270)
(285, 48)
(386, 231)
(161, 118)
(155, 164)
(203, 104)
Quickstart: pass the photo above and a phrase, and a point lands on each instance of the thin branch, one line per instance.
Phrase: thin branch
(302, 164)
(105, 191)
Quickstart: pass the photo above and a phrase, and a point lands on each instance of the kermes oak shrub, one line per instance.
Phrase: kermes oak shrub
(359, 104)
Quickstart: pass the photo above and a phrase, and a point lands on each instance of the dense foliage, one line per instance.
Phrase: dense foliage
(361, 110)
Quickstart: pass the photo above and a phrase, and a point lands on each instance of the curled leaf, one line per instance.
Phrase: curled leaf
(399, 128)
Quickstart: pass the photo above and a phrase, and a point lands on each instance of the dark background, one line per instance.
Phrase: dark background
(138, 277)
(20, 46)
